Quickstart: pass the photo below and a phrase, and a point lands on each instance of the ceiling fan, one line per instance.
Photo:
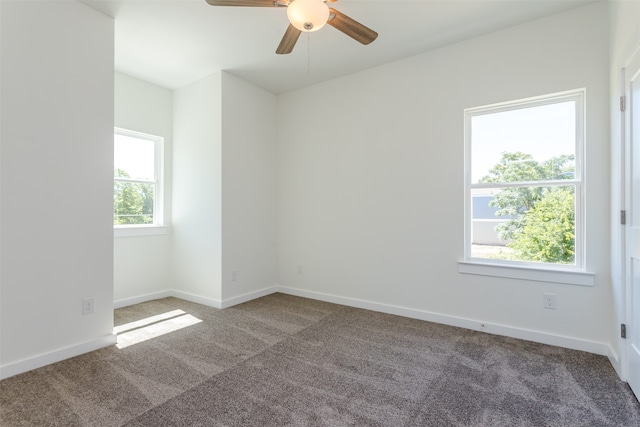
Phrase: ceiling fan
(307, 15)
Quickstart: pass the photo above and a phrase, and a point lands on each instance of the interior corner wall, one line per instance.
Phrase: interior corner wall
(248, 189)
(624, 38)
(142, 264)
(196, 225)
(371, 188)
(56, 171)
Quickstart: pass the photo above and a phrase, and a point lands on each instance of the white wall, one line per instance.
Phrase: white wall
(355, 169)
(142, 264)
(224, 204)
(248, 188)
(197, 190)
(366, 163)
(625, 37)
(56, 174)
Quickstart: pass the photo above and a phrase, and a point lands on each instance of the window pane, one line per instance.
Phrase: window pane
(525, 144)
(132, 203)
(534, 224)
(133, 158)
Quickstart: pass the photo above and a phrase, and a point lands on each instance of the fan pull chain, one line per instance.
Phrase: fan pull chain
(309, 55)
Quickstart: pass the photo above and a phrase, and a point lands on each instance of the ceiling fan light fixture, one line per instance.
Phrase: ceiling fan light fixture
(308, 15)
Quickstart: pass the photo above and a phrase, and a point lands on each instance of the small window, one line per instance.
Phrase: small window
(137, 179)
(524, 189)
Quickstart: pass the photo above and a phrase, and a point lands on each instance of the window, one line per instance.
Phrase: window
(137, 179)
(523, 179)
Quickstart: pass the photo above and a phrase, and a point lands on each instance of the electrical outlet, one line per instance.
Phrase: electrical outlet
(549, 301)
(234, 275)
(299, 269)
(88, 305)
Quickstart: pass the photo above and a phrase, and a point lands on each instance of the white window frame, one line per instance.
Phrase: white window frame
(158, 226)
(545, 272)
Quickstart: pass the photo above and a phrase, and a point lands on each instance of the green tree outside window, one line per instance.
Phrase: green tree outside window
(541, 219)
(133, 202)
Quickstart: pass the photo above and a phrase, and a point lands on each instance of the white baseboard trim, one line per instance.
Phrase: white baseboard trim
(35, 362)
(615, 361)
(125, 302)
(209, 302)
(187, 296)
(230, 302)
(477, 325)
(41, 360)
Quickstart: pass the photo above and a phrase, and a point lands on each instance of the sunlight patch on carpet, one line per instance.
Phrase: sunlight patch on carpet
(153, 327)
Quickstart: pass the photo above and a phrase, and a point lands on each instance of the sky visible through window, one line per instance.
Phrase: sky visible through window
(135, 156)
(544, 132)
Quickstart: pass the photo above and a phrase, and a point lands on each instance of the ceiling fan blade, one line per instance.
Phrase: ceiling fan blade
(351, 27)
(249, 3)
(288, 40)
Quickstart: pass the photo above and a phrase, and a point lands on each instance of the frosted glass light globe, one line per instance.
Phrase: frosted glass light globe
(308, 15)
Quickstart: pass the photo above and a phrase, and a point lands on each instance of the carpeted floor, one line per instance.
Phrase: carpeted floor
(283, 360)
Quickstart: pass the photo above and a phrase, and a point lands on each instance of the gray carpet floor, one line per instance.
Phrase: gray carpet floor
(287, 361)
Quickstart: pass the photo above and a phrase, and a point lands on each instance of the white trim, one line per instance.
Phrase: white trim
(579, 96)
(158, 200)
(477, 325)
(230, 302)
(25, 365)
(226, 303)
(209, 302)
(615, 362)
(527, 272)
(158, 178)
(45, 359)
(187, 296)
(139, 230)
(621, 306)
(125, 302)
(629, 161)
(535, 101)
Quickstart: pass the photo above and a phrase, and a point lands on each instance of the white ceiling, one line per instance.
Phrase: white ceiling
(175, 42)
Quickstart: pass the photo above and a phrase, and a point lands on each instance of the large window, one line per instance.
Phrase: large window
(524, 189)
(137, 179)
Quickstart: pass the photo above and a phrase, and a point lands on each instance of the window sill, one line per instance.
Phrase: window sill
(139, 230)
(568, 277)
